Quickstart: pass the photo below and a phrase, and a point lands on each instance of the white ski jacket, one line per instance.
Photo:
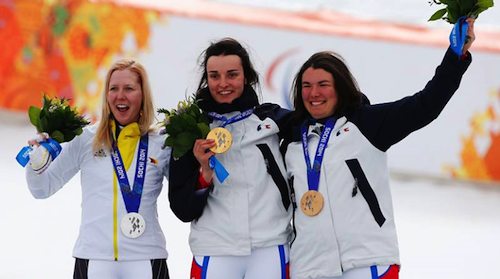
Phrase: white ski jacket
(100, 236)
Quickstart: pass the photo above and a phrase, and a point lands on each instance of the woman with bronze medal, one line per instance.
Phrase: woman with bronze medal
(122, 167)
(240, 220)
(337, 161)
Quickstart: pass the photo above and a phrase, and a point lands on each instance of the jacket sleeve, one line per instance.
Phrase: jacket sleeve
(388, 123)
(59, 172)
(186, 203)
(282, 117)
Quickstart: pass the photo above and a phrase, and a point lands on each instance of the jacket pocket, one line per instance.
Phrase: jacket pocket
(277, 176)
(366, 190)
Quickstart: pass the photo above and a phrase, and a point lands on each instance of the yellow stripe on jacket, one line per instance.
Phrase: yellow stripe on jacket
(127, 144)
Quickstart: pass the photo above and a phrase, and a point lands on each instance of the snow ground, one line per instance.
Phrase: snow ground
(445, 230)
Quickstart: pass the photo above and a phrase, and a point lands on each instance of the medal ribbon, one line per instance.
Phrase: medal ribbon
(131, 197)
(52, 146)
(231, 120)
(458, 35)
(215, 164)
(313, 172)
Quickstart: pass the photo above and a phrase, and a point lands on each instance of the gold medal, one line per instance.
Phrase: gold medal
(311, 203)
(223, 139)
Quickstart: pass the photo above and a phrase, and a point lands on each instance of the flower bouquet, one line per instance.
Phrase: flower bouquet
(455, 9)
(58, 122)
(456, 12)
(184, 126)
(57, 119)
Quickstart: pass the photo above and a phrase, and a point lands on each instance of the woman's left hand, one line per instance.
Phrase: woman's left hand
(470, 35)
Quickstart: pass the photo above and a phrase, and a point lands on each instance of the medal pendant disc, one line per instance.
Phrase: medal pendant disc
(223, 139)
(133, 225)
(311, 203)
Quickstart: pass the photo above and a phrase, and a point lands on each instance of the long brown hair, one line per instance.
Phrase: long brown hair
(103, 138)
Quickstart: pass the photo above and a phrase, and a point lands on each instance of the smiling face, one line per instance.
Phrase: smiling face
(318, 93)
(225, 78)
(125, 96)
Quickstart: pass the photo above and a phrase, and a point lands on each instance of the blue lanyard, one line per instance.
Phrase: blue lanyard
(52, 146)
(131, 197)
(231, 120)
(313, 172)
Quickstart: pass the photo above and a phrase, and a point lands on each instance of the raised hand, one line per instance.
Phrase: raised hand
(470, 35)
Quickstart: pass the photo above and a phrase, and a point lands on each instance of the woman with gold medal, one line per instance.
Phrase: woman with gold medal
(337, 161)
(240, 222)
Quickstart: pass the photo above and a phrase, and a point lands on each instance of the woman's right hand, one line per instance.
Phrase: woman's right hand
(40, 158)
(39, 137)
(201, 151)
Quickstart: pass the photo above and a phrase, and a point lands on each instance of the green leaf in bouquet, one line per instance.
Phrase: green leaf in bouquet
(178, 152)
(57, 136)
(485, 3)
(204, 119)
(481, 6)
(438, 15)
(189, 120)
(68, 135)
(34, 114)
(45, 101)
(56, 121)
(196, 110)
(183, 143)
(466, 6)
(204, 130)
(170, 141)
(453, 12)
(162, 110)
(175, 125)
(186, 139)
(44, 125)
(78, 131)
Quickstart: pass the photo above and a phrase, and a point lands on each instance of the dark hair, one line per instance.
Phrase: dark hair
(348, 94)
(226, 46)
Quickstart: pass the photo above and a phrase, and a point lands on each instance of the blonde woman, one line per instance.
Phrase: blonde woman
(122, 166)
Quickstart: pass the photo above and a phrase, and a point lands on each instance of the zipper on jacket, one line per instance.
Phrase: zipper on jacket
(366, 190)
(115, 217)
(294, 207)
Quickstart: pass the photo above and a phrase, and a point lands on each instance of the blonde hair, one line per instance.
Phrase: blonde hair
(103, 137)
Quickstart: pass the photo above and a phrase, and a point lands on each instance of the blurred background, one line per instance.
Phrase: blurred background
(446, 177)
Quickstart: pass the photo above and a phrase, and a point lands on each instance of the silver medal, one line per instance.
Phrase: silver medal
(133, 225)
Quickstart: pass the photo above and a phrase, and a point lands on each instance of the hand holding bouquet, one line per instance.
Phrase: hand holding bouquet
(56, 122)
(461, 13)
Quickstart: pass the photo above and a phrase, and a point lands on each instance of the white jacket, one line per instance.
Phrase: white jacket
(251, 208)
(100, 236)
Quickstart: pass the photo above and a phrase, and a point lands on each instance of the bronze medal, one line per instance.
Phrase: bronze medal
(223, 139)
(311, 203)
